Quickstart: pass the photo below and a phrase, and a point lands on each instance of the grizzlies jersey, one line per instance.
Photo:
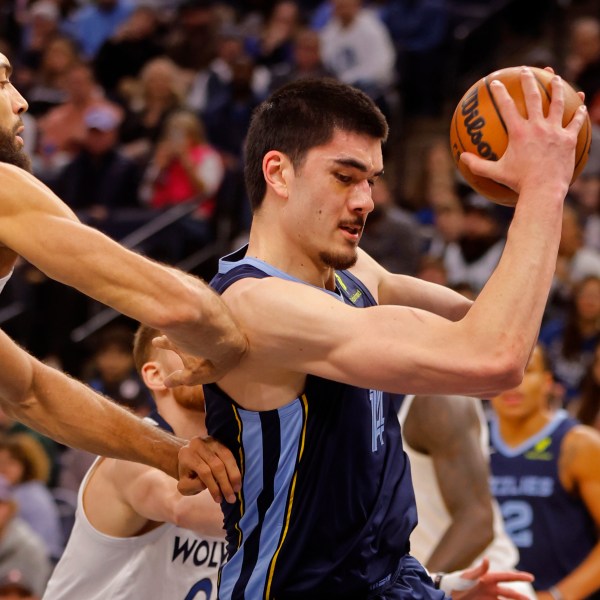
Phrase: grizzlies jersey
(551, 527)
(326, 506)
(166, 563)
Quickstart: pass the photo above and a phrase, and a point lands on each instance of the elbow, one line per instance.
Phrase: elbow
(502, 371)
(178, 514)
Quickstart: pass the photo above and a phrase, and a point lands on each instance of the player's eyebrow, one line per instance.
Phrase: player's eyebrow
(7, 69)
(355, 164)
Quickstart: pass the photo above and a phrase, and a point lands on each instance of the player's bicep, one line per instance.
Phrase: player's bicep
(300, 328)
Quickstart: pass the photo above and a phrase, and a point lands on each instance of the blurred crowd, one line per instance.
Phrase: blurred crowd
(137, 116)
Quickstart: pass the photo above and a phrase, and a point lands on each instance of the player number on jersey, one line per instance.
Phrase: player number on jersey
(201, 590)
(518, 517)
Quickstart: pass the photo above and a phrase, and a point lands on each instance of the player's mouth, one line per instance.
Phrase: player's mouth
(18, 133)
(512, 399)
(352, 231)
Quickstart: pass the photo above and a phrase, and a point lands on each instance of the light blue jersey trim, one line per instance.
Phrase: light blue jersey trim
(291, 424)
(226, 265)
(510, 452)
(251, 485)
(274, 522)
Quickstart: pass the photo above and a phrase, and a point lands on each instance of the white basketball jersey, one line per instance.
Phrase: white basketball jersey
(167, 563)
(434, 518)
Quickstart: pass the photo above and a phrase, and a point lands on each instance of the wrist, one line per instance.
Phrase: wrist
(437, 580)
(555, 593)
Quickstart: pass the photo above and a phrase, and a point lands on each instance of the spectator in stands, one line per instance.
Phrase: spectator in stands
(63, 129)
(124, 54)
(306, 60)
(100, 179)
(570, 341)
(92, 24)
(25, 466)
(575, 260)
(184, 168)
(47, 87)
(211, 86)
(22, 553)
(472, 258)
(191, 39)
(391, 235)
(585, 192)
(448, 226)
(227, 119)
(41, 27)
(583, 61)
(419, 32)
(357, 48)
(14, 587)
(160, 93)
(586, 407)
(274, 46)
(113, 373)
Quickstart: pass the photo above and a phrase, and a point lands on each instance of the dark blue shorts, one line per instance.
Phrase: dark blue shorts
(409, 582)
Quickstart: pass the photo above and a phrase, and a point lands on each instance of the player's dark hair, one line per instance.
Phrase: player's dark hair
(300, 116)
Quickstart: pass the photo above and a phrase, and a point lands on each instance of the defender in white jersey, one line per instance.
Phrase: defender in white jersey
(459, 523)
(135, 537)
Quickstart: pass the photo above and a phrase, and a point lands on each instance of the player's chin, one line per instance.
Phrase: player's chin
(340, 260)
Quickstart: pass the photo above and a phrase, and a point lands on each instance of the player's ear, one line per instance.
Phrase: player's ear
(277, 170)
(152, 376)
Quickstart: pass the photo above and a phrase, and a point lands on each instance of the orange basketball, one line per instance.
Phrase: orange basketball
(477, 127)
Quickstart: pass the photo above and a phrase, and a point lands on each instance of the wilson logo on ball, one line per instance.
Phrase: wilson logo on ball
(474, 123)
(477, 126)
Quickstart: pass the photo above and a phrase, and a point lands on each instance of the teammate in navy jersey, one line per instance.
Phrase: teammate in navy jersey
(326, 506)
(546, 478)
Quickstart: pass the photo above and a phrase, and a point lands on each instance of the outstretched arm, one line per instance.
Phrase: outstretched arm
(37, 225)
(154, 496)
(446, 428)
(68, 411)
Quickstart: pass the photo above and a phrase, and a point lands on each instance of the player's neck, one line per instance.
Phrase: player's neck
(272, 247)
(516, 430)
(186, 423)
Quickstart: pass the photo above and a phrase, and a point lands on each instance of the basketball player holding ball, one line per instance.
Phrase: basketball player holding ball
(326, 507)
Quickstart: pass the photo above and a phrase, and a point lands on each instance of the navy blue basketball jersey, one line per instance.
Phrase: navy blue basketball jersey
(327, 506)
(551, 527)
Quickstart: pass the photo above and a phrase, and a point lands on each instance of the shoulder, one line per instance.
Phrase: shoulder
(581, 438)
(580, 454)
(369, 272)
(11, 173)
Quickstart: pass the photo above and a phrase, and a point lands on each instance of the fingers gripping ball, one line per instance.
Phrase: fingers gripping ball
(477, 127)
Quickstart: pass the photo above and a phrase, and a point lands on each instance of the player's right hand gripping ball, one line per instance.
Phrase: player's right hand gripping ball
(477, 127)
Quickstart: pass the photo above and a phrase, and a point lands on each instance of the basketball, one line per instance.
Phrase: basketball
(477, 127)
